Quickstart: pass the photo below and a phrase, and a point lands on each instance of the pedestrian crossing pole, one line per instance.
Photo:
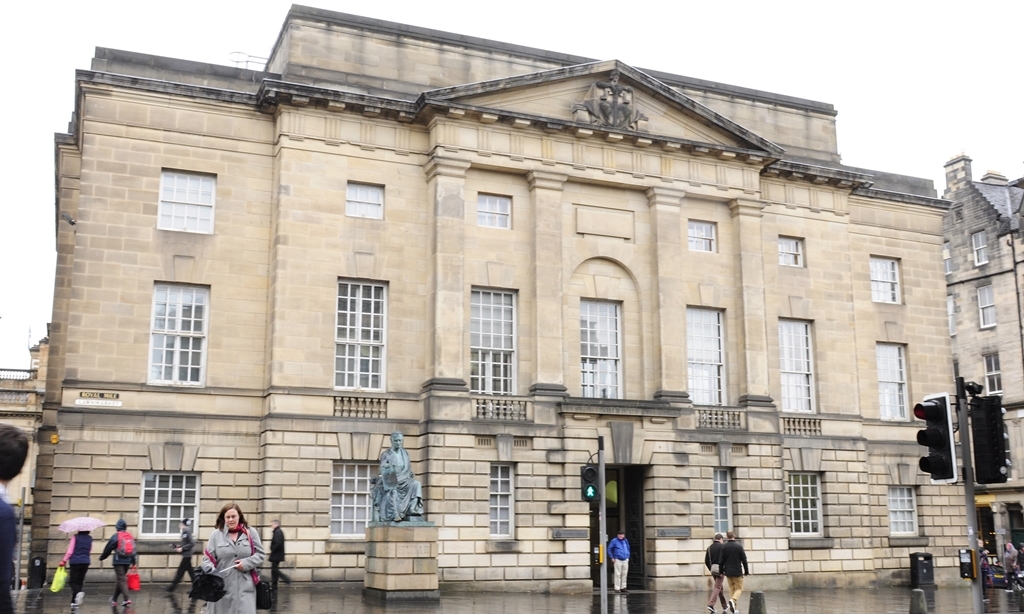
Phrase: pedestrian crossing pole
(603, 524)
(977, 590)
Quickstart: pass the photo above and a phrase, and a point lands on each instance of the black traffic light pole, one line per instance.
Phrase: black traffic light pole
(977, 591)
(603, 524)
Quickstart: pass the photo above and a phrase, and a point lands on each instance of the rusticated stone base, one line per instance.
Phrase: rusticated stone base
(401, 561)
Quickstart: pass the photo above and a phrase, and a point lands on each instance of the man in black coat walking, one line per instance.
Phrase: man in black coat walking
(713, 561)
(185, 547)
(734, 566)
(277, 555)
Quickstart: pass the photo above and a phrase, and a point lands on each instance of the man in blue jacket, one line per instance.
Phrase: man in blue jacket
(13, 450)
(618, 552)
(121, 564)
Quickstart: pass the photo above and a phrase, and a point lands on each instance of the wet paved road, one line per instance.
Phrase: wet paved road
(330, 599)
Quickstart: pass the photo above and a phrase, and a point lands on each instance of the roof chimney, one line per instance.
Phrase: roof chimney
(994, 178)
(958, 175)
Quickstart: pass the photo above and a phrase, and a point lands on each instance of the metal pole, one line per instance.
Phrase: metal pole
(977, 584)
(603, 527)
(21, 541)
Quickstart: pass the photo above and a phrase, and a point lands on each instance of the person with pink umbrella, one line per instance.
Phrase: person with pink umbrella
(79, 554)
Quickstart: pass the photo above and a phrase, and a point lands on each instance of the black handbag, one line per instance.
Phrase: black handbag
(264, 596)
(207, 586)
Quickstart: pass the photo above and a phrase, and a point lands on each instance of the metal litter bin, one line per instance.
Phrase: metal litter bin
(36, 572)
(922, 572)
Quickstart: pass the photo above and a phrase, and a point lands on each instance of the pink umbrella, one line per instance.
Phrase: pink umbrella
(82, 523)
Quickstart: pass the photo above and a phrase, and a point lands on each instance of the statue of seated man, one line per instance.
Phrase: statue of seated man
(395, 493)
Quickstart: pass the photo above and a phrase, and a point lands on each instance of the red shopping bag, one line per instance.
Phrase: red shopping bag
(134, 583)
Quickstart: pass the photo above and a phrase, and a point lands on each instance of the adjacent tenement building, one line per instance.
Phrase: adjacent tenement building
(982, 253)
(505, 253)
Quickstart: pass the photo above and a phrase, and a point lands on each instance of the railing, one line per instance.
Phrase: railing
(720, 419)
(361, 407)
(15, 397)
(17, 374)
(801, 427)
(499, 408)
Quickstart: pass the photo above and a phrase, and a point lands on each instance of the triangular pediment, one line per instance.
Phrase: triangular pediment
(606, 96)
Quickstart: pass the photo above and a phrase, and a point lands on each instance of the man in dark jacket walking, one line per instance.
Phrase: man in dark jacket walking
(734, 566)
(277, 555)
(13, 450)
(121, 564)
(713, 561)
(188, 543)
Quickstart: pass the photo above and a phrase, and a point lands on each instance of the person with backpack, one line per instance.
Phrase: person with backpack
(122, 546)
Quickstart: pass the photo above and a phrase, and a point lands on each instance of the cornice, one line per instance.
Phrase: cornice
(83, 77)
(911, 199)
(817, 175)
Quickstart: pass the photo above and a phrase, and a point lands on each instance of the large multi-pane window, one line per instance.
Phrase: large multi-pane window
(993, 375)
(701, 236)
(493, 211)
(885, 280)
(986, 306)
(178, 351)
(979, 244)
(947, 258)
(167, 498)
(705, 360)
(501, 501)
(360, 336)
(791, 251)
(186, 202)
(350, 498)
(723, 500)
(796, 366)
(804, 504)
(599, 349)
(364, 200)
(892, 381)
(951, 313)
(492, 342)
(902, 511)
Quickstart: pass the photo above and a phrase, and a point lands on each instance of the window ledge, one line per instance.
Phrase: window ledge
(909, 541)
(498, 546)
(345, 546)
(160, 545)
(811, 543)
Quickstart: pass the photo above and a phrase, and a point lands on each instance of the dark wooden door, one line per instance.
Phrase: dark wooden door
(633, 497)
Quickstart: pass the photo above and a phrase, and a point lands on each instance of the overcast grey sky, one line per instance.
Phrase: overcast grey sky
(914, 83)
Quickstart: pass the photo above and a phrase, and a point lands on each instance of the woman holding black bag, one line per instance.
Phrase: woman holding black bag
(234, 551)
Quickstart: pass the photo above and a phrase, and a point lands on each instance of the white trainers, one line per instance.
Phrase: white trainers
(79, 597)
(732, 606)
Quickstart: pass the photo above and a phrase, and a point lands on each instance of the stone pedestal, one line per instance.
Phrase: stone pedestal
(401, 561)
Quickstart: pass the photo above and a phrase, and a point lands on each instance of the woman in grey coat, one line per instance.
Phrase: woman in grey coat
(234, 550)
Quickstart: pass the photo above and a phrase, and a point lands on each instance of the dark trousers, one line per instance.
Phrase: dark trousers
(121, 588)
(184, 567)
(276, 573)
(76, 578)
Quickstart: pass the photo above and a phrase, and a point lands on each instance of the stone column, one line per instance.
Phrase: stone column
(446, 180)
(546, 197)
(667, 297)
(754, 329)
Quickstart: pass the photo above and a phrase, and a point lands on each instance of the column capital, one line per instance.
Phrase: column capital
(665, 196)
(746, 206)
(546, 180)
(446, 167)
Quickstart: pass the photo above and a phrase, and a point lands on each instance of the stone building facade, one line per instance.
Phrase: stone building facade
(504, 253)
(982, 255)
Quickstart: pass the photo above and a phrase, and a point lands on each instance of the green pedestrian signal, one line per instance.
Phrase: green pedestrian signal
(590, 485)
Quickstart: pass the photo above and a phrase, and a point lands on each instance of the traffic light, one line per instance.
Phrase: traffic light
(590, 486)
(990, 463)
(938, 436)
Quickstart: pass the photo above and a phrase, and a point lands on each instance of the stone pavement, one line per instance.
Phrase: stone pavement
(333, 599)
